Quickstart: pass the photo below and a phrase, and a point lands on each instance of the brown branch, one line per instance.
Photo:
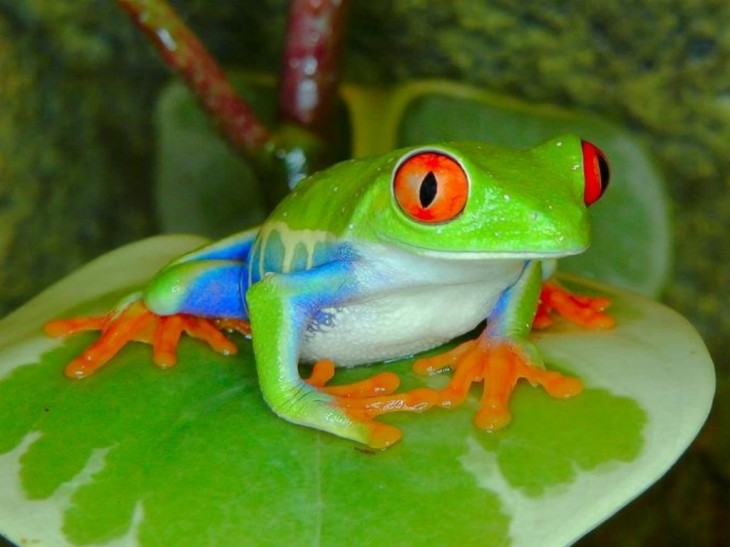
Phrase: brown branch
(182, 51)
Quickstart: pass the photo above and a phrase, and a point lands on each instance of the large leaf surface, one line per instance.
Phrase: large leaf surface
(192, 455)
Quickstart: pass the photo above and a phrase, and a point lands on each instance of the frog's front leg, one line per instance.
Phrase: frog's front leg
(281, 307)
(501, 356)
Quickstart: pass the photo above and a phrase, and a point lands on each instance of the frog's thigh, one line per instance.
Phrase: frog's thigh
(208, 288)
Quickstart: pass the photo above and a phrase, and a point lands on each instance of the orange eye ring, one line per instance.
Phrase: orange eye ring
(430, 187)
(596, 173)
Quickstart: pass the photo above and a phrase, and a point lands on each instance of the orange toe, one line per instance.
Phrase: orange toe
(380, 384)
(367, 399)
(498, 365)
(137, 323)
(67, 327)
(586, 311)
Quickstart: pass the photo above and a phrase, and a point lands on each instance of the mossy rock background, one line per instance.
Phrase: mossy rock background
(79, 86)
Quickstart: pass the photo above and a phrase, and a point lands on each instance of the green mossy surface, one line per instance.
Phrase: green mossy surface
(74, 139)
(79, 87)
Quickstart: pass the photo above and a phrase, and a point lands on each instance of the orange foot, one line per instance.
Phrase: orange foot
(499, 365)
(365, 400)
(586, 311)
(137, 323)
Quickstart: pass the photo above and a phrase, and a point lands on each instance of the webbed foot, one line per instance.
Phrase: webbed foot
(134, 322)
(361, 402)
(586, 311)
(499, 365)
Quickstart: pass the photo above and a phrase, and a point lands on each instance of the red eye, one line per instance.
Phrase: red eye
(595, 171)
(430, 187)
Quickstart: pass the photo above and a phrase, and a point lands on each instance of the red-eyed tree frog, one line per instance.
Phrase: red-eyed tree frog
(379, 258)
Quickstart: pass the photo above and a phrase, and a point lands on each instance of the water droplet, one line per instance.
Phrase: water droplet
(309, 66)
(167, 40)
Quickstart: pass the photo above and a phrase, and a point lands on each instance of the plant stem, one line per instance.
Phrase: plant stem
(311, 68)
(182, 51)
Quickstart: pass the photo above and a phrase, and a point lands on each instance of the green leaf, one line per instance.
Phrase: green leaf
(203, 187)
(192, 455)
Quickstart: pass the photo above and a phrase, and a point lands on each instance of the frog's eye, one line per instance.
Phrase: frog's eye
(430, 187)
(595, 171)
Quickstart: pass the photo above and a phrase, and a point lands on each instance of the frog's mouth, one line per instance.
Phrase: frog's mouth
(466, 254)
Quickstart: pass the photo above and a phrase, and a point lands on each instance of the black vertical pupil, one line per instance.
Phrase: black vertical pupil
(427, 192)
(604, 170)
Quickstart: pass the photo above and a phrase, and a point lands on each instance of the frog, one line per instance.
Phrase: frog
(379, 258)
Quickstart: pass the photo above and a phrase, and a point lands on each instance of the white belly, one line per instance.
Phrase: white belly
(408, 304)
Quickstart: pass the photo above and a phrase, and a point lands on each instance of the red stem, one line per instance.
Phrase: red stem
(310, 72)
(182, 51)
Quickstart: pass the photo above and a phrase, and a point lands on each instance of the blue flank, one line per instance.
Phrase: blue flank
(299, 262)
(275, 252)
(213, 281)
(311, 282)
(273, 258)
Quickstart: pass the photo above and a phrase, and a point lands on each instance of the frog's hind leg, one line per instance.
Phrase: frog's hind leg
(205, 288)
(236, 247)
(323, 371)
(200, 298)
(187, 296)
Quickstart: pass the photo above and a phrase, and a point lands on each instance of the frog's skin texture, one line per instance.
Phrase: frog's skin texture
(379, 258)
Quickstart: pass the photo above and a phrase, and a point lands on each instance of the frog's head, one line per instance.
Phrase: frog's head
(483, 200)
